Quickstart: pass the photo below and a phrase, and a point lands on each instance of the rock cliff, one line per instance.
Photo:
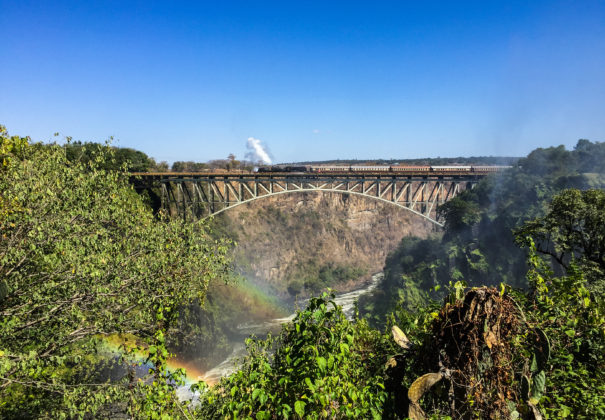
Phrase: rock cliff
(284, 242)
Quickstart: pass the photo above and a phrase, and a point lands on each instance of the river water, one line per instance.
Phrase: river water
(227, 366)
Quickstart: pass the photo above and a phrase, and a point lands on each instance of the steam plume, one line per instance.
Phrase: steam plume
(257, 153)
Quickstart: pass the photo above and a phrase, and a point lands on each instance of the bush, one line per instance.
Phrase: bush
(323, 366)
(82, 258)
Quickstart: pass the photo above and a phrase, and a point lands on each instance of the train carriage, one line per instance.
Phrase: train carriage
(329, 168)
(410, 168)
(451, 168)
(359, 168)
(490, 169)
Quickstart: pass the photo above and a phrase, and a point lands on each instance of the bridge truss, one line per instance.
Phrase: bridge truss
(194, 196)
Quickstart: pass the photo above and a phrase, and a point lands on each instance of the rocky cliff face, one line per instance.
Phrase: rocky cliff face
(284, 242)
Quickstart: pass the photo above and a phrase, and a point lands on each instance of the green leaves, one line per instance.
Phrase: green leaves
(82, 257)
(324, 366)
(572, 230)
(538, 387)
(321, 363)
(299, 408)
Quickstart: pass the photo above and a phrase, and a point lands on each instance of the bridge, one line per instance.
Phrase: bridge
(202, 194)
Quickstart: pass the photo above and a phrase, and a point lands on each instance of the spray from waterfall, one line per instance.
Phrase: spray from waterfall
(257, 152)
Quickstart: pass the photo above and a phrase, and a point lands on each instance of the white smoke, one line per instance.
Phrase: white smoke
(257, 153)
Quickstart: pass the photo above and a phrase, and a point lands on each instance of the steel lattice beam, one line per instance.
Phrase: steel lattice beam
(202, 196)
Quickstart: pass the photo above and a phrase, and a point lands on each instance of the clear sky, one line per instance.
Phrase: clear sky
(312, 80)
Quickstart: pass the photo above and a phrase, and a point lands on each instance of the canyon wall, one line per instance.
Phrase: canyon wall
(283, 242)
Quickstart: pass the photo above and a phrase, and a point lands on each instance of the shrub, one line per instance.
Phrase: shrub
(81, 257)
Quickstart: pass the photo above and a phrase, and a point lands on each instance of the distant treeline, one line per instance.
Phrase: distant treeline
(125, 158)
(473, 160)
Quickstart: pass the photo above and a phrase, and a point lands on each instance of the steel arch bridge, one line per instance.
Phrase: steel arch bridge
(200, 195)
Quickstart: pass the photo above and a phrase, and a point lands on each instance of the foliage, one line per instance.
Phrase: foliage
(320, 366)
(507, 353)
(316, 278)
(229, 164)
(81, 257)
(409, 273)
(573, 229)
(459, 214)
(121, 158)
(11, 146)
(189, 166)
(573, 322)
(478, 244)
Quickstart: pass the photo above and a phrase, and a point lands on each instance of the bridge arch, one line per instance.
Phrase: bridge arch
(306, 190)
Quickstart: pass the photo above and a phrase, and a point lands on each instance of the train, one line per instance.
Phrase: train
(383, 168)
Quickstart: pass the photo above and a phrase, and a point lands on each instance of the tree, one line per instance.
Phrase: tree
(82, 258)
(189, 166)
(590, 156)
(121, 157)
(460, 214)
(573, 229)
(547, 162)
(159, 166)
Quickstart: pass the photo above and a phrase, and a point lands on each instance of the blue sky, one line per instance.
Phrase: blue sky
(312, 80)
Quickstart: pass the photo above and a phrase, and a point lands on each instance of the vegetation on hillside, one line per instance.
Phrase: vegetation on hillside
(478, 245)
(320, 366)
(304, 235)
(82, 258)
(229, 164)
(131, 160)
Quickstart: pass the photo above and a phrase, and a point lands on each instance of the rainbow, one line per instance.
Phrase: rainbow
(242, 294)
(114, 345)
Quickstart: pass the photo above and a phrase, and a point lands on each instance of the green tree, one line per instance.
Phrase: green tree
(573, 229)
(11, 146)
(566, 352)
(189, 166)
(590, 156)
(460, 214)
(121, 157)
(81, 258)
(159, 166)
(232, 163)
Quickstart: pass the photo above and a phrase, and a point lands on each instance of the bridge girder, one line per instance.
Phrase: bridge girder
(201, 197)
